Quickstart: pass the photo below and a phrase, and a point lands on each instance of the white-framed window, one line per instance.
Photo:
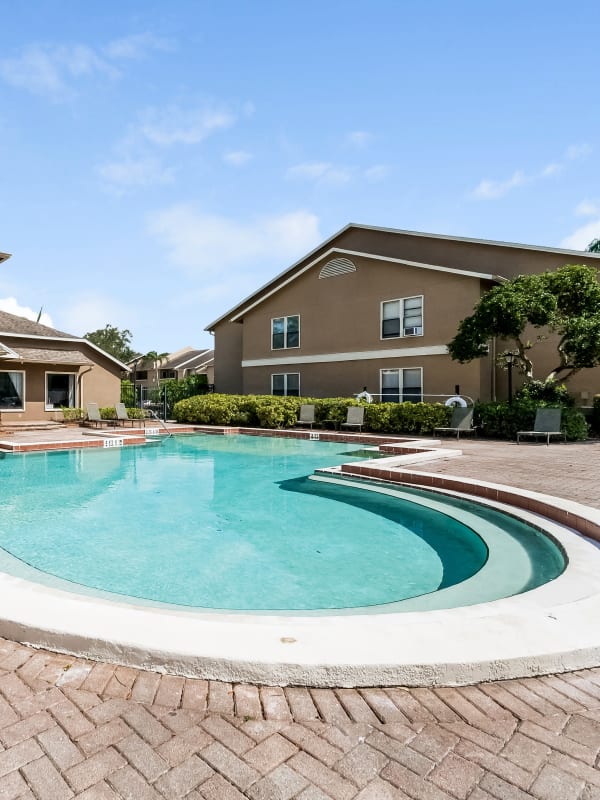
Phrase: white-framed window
(60, 390)
(285, 332)
(286, 384)
(402, 317)
(12, 391)
(401, 385)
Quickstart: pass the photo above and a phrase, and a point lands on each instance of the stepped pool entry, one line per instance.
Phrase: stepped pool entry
(222, 541)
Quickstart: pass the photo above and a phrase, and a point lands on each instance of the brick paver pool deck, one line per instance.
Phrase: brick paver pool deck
(95, 731)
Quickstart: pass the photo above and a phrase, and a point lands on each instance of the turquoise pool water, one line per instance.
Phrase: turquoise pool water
(235, 523)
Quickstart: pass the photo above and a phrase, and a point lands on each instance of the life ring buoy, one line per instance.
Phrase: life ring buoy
(456, 400)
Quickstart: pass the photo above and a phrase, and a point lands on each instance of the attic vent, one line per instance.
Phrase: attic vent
(337, 266)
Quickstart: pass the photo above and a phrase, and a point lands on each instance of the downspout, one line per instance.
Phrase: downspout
(80, 384)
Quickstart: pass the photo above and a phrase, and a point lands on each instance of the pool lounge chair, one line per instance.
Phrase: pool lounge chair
(307, 415)
(355, 418)
(460, 422)
(123, 416)
(547, 423)
(93, 416)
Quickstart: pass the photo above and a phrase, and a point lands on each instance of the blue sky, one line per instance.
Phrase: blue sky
(160, 161)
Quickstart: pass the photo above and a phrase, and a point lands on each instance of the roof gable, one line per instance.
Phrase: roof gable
(335, 245)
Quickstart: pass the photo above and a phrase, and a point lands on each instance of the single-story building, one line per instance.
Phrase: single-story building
(43, 369)
(377, 307)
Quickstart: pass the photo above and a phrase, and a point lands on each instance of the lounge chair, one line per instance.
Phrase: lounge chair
(93, 416)
(123, 416)
(460, 422)
(355, 418)
(307, 415)
(547, 423)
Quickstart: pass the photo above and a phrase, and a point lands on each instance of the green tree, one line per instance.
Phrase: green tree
(113, 341)
(593, 246)
(564, 302)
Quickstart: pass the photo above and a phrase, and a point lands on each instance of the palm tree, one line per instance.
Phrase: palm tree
(156, 359)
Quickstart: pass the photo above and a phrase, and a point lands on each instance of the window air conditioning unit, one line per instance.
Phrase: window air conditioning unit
(412, 331)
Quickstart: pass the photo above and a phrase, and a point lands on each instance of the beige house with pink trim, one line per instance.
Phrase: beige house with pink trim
(376, 307)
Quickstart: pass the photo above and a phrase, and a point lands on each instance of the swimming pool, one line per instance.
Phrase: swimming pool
(235, 523)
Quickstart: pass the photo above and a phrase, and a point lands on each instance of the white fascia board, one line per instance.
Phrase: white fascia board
(362, 355)
(67, 339)
(359, 254)
(190, 360)
(277, 277)
(8, 352)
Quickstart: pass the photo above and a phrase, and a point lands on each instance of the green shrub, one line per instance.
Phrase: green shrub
(186, 387)
(207, 409)
(595, 416)
(108, 412)
(135, 413)
(504, 420)
(546, 393)
(573, 423)
(72, 414)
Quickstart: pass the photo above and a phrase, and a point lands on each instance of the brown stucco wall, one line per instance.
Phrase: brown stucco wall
(496, 259)
(342, 315)
(228, 358)
(99, 384)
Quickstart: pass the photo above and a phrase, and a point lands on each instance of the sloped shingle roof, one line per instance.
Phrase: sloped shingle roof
(11, 323)
(40, 355)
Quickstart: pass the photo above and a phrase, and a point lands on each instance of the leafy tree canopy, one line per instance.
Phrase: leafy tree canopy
(565, 302)
(113, 341)
(593, 246)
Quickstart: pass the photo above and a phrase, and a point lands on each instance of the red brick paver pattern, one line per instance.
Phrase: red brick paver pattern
(71, 728)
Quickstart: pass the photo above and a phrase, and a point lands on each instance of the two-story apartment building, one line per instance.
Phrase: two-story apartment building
(376, 307)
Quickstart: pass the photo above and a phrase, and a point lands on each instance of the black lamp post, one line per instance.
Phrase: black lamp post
(509, 360)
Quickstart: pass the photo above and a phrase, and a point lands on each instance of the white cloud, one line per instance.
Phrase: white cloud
(576, 151)
(130, 173)
(89, 311)
(205, 244)
(237, 158)
(491, 189)
(488, 189)
(174, 125)
(587, 209)
(11, 306)
(377, 172)
(137, 46)
(582, 237)
(359, 138)
(47, 70)
(320, 171)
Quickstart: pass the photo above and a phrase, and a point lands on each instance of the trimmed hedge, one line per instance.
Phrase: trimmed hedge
(495, 420)
(109, 412)
(267, 411)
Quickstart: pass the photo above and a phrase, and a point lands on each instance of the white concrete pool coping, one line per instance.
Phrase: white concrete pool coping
(550, 629)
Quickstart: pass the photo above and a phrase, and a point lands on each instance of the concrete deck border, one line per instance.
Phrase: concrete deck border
(550, 629)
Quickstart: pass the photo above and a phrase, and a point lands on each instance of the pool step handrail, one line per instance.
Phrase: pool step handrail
(155, 416)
